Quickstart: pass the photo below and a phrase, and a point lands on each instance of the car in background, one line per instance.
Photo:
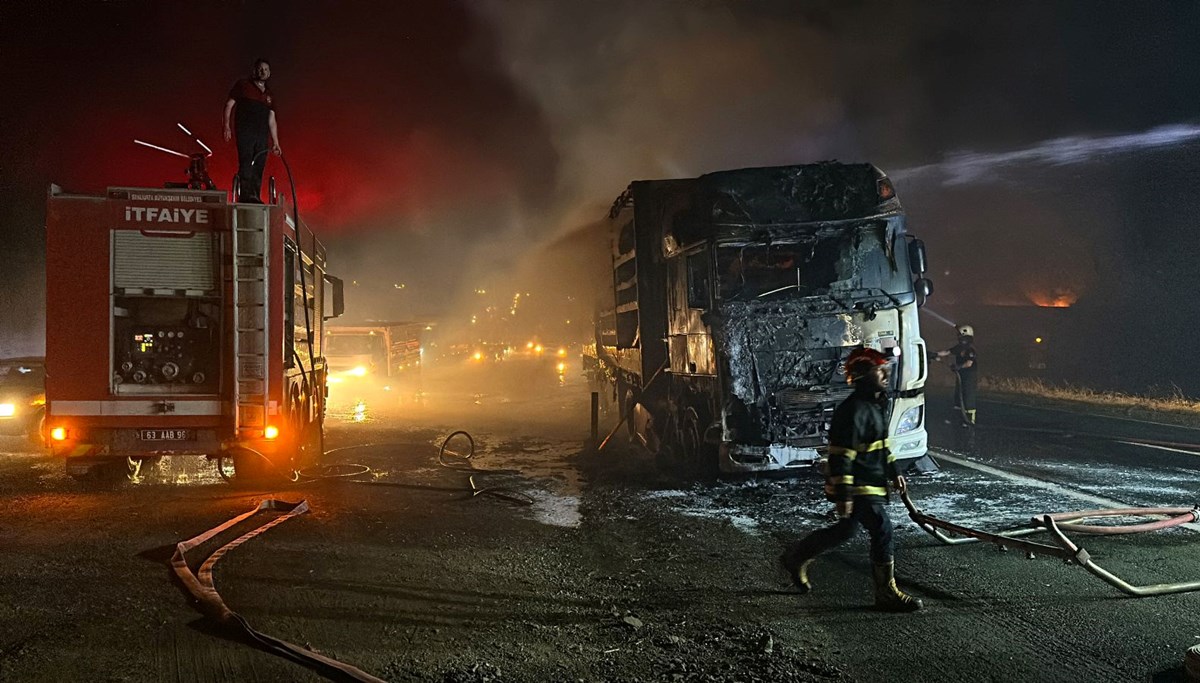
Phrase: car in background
(23, 397)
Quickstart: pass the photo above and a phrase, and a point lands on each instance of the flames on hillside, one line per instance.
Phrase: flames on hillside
(1042, 297)
(1059, 297)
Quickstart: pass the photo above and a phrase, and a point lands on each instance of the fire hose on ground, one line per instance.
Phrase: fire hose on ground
(1063, 547)
(447, 458)
(200, 583)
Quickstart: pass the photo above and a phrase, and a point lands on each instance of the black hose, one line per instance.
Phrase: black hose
(308, 332)
(346, 472)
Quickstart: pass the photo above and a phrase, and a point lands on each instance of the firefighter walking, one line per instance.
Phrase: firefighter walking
(966, 374)
(860, 467)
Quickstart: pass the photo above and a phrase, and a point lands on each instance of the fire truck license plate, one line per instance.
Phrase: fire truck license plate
(164, 434)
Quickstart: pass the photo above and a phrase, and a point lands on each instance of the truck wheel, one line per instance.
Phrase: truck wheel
(312, 446)
(242, 465)
(700, 456)
(689, 436)
(629, 412)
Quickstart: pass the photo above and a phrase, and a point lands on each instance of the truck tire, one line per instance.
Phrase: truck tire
(690, 440)
(243, 466)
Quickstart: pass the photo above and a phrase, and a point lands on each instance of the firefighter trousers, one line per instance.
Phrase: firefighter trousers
(870, 512)
(965, 389)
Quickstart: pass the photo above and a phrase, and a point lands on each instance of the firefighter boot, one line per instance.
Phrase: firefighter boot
(797, 570)
(888, 597)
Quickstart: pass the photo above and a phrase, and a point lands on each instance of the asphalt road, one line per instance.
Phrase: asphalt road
(614, 571)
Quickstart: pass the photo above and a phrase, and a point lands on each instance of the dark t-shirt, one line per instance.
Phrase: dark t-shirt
(253, 108)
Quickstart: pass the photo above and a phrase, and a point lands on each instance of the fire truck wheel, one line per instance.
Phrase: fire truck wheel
(311, 446)
(242, 465)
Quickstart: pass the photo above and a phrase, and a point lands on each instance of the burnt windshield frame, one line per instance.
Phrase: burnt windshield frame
(846, 260)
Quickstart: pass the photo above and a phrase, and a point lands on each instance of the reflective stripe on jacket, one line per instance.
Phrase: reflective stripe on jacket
(860, 461)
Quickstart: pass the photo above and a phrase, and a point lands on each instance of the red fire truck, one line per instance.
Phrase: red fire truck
(180, 323)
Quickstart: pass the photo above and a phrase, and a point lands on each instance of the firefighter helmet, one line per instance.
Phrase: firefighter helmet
(861, 361)
(966, 331)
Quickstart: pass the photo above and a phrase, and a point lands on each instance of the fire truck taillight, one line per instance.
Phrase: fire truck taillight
(58, 434)
(271, 432)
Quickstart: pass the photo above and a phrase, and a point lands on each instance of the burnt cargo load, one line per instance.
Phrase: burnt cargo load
(180, 323)
(737, 296)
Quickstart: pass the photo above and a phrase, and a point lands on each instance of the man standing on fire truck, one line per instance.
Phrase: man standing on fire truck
(254, 119)
(860, 465)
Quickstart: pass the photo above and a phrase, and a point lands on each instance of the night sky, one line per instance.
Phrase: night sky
(444, 144)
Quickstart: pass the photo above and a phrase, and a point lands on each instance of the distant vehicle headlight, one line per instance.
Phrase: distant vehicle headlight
(8, 409)
(360, 371)
(910, 420)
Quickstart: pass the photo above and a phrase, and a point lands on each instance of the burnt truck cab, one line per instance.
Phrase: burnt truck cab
(767, 279)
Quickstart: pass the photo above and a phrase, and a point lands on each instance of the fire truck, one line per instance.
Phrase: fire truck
(181, 323)
(735, 299)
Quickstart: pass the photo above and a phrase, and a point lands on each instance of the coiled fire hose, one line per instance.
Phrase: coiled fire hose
(459, 462)
(1072, 521)
(447, 457)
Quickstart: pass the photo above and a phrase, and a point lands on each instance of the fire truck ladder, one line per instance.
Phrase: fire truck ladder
(250, 264)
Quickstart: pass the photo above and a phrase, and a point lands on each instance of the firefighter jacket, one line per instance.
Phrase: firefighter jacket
(964, 352)
(860, 462)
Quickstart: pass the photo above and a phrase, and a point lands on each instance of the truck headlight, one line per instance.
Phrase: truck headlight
(910, 420)
(8, 409)
(360, 371)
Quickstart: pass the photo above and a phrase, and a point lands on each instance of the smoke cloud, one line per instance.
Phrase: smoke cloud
(448, 148)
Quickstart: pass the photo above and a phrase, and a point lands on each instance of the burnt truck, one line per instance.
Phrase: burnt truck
(737, 296)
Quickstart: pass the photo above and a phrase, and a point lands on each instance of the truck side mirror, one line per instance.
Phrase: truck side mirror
(337, 296)
(917, 260)
(924, 289)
